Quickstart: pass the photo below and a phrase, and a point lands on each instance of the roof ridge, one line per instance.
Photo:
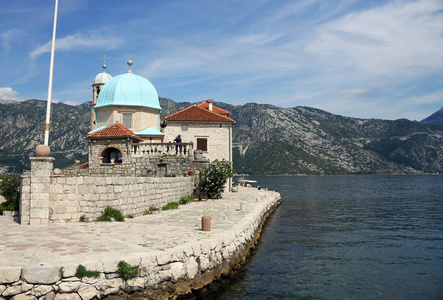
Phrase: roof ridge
(214, 115)
(181, 110)
(120, 126)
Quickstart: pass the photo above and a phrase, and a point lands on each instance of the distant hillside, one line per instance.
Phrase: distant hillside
(22, 129)
(435, 118)
(267, 139)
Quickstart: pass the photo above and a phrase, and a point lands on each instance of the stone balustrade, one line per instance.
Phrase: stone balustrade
(156, 149)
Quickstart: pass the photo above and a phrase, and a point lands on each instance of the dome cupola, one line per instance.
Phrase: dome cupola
(128, 90)
(102, 77)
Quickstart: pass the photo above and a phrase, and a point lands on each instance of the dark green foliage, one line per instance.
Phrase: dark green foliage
(82, 272)
(170, 205)
(82, 218)
(61, 272)
(214, 178)
(111, 213)
(9, 188)
(126, 271)
(150, 210)
(8, 206)
(186, 199)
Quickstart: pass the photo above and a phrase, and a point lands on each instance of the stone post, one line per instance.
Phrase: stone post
(41, 171)
(206, 223)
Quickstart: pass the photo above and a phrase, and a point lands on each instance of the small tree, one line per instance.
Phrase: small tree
(215, 177)
(9, 188)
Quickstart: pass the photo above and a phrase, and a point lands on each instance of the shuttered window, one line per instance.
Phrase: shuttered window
(202, 144)
(127, 120)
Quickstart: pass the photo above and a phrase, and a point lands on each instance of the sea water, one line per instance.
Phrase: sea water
(347, 237)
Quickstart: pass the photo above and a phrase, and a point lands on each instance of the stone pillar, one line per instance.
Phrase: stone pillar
(41, 171)
(25, 198)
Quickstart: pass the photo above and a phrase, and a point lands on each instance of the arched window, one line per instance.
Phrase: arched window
(112, 155)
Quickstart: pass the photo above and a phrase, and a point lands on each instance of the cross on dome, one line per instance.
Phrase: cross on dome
(104, 61)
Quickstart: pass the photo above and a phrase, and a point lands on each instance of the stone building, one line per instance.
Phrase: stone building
(207, 126)
(126, 137)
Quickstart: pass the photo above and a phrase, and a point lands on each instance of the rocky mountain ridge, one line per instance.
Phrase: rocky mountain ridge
(267, 139)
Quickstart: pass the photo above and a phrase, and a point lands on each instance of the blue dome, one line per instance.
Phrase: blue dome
(128, 90)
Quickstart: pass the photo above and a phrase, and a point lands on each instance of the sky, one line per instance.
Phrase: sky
(363, 59)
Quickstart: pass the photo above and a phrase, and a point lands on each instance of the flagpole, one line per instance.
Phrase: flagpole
(51, 68)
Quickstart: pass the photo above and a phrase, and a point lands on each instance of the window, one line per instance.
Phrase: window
(184, 127)
(202, 144)
(127, 120)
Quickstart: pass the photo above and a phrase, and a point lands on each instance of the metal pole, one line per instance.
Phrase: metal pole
(51, 67)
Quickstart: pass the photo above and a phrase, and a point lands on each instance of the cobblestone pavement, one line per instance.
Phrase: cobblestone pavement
(21, 245)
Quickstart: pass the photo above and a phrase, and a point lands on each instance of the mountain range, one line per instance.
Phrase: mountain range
(268, 140)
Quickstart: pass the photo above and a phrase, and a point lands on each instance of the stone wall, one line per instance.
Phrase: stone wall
(218, 135)
(163, 274)
(49, 198)
(155, 165)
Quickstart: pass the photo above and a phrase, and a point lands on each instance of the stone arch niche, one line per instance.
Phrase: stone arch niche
(112, 155)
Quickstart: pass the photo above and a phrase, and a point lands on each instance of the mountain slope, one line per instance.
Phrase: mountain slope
(435, 118)
(267, 139)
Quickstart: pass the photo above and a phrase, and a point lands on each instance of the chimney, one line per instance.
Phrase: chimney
(210, 102)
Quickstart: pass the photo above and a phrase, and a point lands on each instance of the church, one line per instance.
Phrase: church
(127, 136)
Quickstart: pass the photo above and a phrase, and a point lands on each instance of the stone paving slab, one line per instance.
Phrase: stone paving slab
(22, 245)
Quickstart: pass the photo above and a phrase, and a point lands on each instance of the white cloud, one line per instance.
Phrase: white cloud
(429, 98)
(398, 41)
(76, 42)
(9, 35)
(361, 93)
(7, 93)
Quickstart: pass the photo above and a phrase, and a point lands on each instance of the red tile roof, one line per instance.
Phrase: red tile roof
(215, 109)
(116, 130)
(198, 114)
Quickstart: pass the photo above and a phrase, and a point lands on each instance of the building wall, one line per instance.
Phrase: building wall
(219, 137)
(142, 117)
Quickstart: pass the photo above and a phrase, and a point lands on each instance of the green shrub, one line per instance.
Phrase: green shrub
(130, 216)
(83, 218)
(9, 188)
(170, 205)
(126, 271)
(8, 206)
(82, 272)
(109, 213)
(150, 210)
(215, 177)
(186, 199)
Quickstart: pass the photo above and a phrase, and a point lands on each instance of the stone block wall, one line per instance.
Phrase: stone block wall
(49, 198)
(218, 135)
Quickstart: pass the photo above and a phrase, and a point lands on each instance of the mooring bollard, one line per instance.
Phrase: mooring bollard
(257, 199)
(206, 223)
(242, 205)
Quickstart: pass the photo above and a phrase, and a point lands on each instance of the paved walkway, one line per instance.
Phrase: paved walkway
(21, 245)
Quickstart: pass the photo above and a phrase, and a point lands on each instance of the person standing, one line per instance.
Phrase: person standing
(178, 140)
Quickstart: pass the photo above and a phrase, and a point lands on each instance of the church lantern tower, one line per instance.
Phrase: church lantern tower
(97, 86)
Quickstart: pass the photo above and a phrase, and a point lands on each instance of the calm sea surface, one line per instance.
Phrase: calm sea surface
(348, 237)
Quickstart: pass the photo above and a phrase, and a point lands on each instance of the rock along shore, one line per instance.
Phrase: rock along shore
(174, 256)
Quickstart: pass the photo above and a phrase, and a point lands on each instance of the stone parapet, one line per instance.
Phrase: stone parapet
(193, 260)
(61, 199)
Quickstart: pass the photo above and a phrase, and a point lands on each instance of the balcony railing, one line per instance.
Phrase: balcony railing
(159, 149)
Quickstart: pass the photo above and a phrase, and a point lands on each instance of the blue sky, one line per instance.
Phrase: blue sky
(366, 59)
